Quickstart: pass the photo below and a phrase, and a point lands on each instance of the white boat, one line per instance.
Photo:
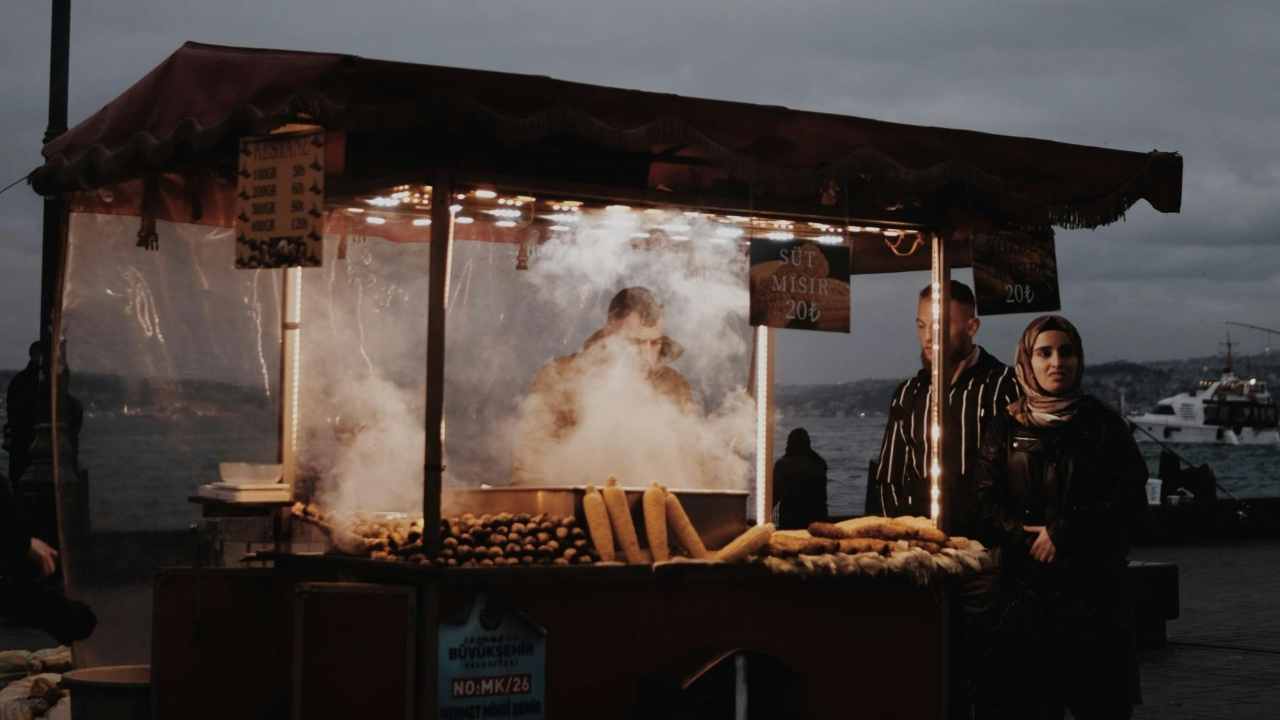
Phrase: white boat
(1228, 411)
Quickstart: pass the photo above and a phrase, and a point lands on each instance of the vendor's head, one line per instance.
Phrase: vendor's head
(636, 317)
(963, 327)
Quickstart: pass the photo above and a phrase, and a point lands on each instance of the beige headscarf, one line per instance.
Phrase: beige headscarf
(1038, 408)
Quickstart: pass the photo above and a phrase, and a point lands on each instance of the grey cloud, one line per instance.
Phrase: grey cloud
(1188, 76)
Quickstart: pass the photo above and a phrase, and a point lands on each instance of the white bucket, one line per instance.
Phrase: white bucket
(1153, 490)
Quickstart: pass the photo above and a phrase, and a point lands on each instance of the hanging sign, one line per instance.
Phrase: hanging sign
(492, 665)
(280, 201)
(800, 284)
(1015, 272)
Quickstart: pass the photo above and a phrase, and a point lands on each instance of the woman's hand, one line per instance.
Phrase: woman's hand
(1042, 549)
(43, 557)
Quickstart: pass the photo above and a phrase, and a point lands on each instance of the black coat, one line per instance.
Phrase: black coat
(1084, 480)
(15, 533)
(800, 486)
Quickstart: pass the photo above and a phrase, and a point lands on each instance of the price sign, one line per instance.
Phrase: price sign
(280, 201)
(1015, 272)
(492, 665)
(800, 284)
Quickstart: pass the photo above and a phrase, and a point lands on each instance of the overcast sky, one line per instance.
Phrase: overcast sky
(1194, 77)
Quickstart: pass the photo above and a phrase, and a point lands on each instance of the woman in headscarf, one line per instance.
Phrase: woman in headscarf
(800, 483)
(1061, 484)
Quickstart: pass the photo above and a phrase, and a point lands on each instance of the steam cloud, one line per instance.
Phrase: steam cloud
(364, 345)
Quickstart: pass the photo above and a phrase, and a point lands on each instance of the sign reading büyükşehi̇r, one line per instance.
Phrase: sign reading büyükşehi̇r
(800, 284)
(280, 201)
(493, 665)
(1015, 272)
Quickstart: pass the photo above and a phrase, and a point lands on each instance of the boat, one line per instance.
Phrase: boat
(1230, 410)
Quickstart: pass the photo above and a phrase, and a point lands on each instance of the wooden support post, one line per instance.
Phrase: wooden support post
(433, 472)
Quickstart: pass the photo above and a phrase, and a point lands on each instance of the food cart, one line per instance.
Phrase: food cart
(442, 192)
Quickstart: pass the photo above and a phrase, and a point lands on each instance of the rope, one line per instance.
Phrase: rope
(9, 187)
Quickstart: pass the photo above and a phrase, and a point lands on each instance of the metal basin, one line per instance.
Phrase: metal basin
(719, 515)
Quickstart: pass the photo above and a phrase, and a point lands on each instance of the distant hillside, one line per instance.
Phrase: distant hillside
(1140, 385)
(101, 393)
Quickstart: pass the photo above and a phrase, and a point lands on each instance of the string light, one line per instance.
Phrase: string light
(486, 194)
(374, 220)
(562, 217)
(762, 418)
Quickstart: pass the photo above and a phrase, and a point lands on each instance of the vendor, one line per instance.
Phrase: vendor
(632, 337)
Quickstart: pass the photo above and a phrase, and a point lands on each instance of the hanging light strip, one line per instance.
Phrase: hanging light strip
(762, 419)
(936, 397)
(405, 204)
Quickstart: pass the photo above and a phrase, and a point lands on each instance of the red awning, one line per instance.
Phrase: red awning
(185, 116)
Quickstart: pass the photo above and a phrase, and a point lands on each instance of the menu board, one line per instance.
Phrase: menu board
(1015, 272)
(800, 284)
(492, 665)
(280, 201)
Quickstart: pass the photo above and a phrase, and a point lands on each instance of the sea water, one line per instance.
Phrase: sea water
(848, 445)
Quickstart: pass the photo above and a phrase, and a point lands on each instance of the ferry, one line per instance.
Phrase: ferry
(1230, 410)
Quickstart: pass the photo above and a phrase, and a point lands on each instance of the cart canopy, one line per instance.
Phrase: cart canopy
(397, 120)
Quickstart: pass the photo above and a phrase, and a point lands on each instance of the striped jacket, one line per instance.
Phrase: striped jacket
(900, 485)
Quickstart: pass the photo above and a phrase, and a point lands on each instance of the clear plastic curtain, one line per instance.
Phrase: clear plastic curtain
(173, 366)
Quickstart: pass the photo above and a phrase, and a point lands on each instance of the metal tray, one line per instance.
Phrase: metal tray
(719, 515)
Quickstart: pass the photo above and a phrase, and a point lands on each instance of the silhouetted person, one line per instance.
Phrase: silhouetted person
(28, 436)
(800, 483)
(27, 410)
(21, 399)
(30, 592)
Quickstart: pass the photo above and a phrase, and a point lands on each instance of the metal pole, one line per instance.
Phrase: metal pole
(59, 82)
(433, 473)
(941, 374)
(763, 357)
(290, 372)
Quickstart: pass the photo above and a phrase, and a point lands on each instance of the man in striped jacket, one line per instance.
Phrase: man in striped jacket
(981, 387)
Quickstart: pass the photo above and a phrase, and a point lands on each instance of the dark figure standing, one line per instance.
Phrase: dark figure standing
(1061, 484)
(21, 401)
(29, 585)
(800, 483)
(27, 409)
